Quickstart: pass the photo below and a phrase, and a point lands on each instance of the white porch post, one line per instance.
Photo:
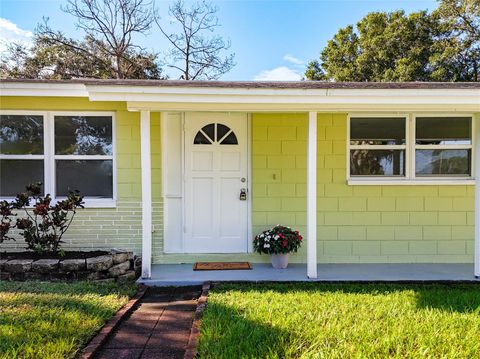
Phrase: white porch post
(477, 197)
(146, 194)
(312, 196)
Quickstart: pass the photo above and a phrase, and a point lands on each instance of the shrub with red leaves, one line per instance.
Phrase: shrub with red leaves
(44, 224)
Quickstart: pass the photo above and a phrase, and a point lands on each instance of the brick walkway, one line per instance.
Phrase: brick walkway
(158, 328)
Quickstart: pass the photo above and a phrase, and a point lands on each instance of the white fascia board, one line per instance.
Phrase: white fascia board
(172, 90)
(182, 99)
(287, 99)
(42, 89)
(340, 92)
(298, 107)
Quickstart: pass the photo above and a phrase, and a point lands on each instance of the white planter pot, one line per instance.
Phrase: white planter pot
(279, 261)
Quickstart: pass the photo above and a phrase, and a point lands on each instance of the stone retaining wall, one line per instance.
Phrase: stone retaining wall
(118, 266)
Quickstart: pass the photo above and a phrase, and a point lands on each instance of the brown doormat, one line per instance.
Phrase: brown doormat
(222, 265)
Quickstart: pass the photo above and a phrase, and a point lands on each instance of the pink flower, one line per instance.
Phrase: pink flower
(284, 243)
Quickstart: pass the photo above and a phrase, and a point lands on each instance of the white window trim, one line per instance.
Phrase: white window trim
(410, 178)
(49, 156)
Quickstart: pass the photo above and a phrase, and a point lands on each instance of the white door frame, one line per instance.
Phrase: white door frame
(183, 180)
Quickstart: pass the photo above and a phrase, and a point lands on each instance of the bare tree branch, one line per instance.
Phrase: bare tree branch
(193, 46)
(114, 22)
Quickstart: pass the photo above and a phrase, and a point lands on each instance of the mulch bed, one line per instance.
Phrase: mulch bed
(65, 255)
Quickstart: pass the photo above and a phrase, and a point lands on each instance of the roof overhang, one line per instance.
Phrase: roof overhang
(176, 97)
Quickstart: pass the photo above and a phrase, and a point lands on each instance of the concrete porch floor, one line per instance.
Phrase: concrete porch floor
(183, 274)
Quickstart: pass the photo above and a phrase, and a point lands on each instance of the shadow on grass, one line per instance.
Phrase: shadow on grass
(54, 318)
(458, 297)
(220, 336)
(68, 288)
(231, 331)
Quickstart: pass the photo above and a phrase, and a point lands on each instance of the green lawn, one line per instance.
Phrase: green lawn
(312, 320)
(54, 320)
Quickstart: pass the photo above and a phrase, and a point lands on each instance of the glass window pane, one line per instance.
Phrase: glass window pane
(15, 175)
(200, 139)
(231, 139)
(222, 130)
(21, 134)
(209, 131)
(377, 162)
(377, 131)
(443, 162)
(83, 135)
(93, 178)
(443, 130)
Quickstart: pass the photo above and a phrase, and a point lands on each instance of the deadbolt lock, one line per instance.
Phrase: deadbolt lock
(243, 194)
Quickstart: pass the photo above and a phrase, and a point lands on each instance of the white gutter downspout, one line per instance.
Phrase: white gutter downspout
(146, 194)
(312, 196)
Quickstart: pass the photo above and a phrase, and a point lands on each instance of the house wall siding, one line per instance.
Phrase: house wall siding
(355, 223)
(120, 227)
(368, 224)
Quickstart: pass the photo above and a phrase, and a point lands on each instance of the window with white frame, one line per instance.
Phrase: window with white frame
(65, 151)
(443, 146)
(410, 147)
(22, 152)
(378, 146)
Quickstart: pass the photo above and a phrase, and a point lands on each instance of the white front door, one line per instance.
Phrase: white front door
(216, 176)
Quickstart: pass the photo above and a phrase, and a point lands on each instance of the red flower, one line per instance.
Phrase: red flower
(40, 209)
(284, 243)
(300, 238)
(281, 235)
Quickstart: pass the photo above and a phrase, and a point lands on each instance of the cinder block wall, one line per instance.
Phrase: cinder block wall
(104, 228)
(376, 224)
(279, 162)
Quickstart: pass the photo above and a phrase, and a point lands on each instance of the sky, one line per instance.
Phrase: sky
(271, 39)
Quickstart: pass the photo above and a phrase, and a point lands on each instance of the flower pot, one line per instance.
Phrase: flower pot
(279, 261)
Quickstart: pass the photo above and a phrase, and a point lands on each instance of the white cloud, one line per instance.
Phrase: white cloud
(281, 73)
(10, 32)
(292, 59)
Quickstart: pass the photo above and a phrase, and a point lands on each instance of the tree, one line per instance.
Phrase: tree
(384, 47)
(457, 49)
(107, 50)
(66, 58)
(194, 53)
(441, 46)
(314, 71)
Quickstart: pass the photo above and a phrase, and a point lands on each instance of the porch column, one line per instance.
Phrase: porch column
(477, 197)
(146, 194)
(312, 196)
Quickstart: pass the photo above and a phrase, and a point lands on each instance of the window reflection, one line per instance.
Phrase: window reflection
(83, 135)
(21, 134)
(377, 162)
(443, 162)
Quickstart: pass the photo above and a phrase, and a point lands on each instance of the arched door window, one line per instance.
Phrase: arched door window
(215, 133)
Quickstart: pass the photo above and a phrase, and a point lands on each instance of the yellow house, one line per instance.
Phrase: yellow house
(181, 171)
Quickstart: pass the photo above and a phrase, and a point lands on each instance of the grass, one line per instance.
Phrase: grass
(313, 320)
(55, 320)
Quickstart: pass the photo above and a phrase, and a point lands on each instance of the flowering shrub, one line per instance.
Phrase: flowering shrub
(44, 224)
(277, 240)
